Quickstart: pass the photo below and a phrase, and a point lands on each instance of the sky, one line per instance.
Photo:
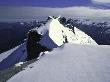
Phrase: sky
(56, 3)
(45, 3)
(74, 7)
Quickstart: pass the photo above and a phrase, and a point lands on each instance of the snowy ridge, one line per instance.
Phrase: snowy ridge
(71, 63)
(60, 34)
(7, 53)
(83, 38)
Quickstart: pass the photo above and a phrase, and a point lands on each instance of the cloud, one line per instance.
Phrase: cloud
(67, 12)
(101, 1)
(86, 12)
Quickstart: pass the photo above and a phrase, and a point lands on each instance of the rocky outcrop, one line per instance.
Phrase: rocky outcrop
(34, 48)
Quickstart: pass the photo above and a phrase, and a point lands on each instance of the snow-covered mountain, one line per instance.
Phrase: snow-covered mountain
(70, 63)
(81, 59)
(54, 34)
(60, 34)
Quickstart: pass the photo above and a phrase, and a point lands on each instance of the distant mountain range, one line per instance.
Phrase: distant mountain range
(15, 33)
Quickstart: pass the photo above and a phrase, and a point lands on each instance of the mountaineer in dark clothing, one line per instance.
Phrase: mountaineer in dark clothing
(34, 48)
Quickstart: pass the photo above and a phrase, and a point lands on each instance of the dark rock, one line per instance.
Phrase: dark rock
(34, 48)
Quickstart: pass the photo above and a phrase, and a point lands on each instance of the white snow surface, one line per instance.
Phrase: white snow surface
(58, 33)
(69, 63)
(19, 64)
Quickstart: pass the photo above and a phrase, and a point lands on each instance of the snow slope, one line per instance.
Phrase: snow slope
(83, 38)
(18, 54)
(69, 63)
(7, 53)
